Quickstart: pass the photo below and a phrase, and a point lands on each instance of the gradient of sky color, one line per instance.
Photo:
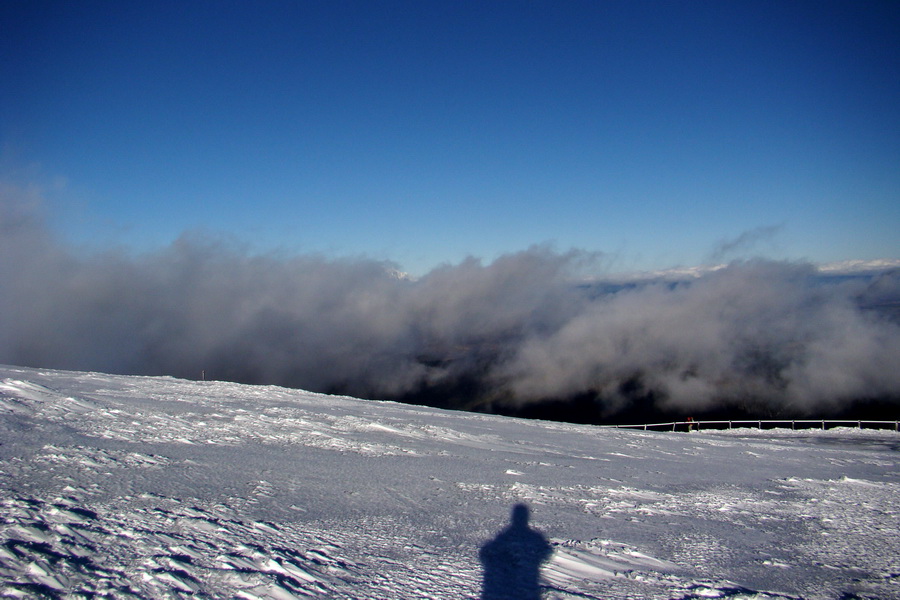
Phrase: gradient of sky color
(661, 133)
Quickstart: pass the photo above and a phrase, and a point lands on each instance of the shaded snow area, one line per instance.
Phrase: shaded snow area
(140, 487)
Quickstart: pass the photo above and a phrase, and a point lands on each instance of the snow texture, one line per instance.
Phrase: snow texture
(140, 487)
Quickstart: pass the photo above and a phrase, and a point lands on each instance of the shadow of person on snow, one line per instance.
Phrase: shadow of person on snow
(512, 560)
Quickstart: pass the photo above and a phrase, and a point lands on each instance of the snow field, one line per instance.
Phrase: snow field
(117, 487)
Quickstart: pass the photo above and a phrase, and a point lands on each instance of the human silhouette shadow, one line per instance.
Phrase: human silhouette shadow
(512, 560)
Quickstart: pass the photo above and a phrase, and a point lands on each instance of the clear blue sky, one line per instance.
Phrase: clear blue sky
(425, 131)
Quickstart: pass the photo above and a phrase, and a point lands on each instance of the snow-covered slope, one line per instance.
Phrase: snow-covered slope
(114, 486)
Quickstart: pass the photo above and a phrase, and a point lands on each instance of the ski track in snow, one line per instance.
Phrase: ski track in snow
(146, 487)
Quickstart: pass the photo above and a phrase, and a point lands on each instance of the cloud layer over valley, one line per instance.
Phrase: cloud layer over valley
(767, 336)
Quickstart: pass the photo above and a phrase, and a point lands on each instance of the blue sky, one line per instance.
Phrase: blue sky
(660, 133)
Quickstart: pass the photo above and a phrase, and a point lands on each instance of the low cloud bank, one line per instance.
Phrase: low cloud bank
(765, 336)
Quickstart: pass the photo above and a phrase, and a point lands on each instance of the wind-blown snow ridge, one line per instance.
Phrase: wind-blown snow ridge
(118, 487)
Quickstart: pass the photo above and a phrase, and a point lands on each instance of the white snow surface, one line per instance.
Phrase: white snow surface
(152, 487)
